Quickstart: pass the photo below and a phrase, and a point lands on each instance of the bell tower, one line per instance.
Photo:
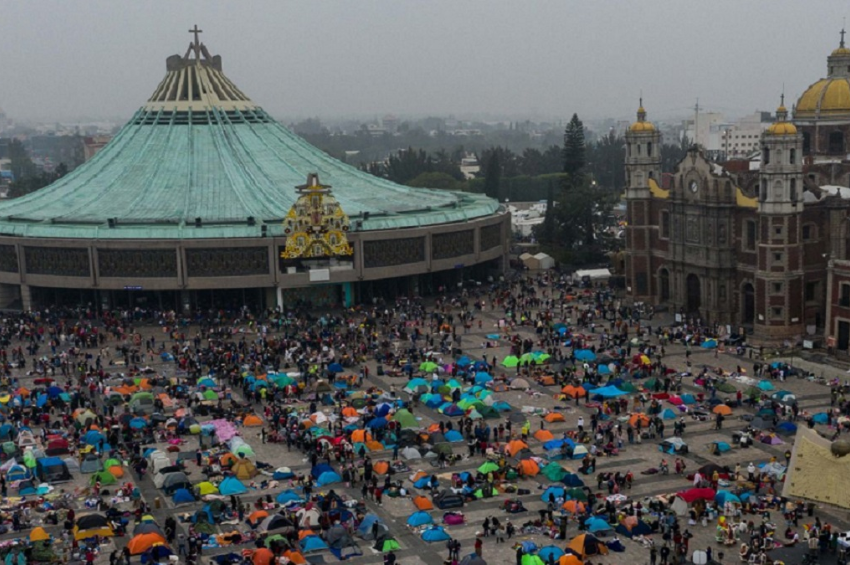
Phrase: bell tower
(779, 281)
(643, 171)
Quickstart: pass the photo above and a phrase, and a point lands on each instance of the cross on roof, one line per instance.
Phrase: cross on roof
(196, 45)
(842, 37)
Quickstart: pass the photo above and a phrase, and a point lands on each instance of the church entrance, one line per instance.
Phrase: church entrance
(748, 303)
(694, 294)
(664, 285)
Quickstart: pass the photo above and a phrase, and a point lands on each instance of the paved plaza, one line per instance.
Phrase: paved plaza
(634, 458)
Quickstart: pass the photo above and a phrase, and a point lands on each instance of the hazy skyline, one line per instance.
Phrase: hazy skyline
(544, 59)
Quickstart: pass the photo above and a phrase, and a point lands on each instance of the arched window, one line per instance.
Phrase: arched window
(649, 149)
(763, 191)
(664, 285)
(807, 143)
(836, 142)
(793, 190)
(765, 156)
(792, 156)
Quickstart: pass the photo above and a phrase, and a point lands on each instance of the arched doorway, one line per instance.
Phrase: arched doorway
(748, 304)
(694, 293)
(664, 285)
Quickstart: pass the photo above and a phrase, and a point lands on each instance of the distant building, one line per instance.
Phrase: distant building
(91, 145)
(469, 166)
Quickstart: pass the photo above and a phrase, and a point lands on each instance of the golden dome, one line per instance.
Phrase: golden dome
(782, 128)
(641, 125)
(841, 51)
(829, 96)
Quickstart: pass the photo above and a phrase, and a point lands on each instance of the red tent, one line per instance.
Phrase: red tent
(695, 494)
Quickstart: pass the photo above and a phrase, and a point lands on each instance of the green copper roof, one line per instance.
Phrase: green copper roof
(198, 155)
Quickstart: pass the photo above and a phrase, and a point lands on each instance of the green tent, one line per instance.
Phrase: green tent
(244, 450)
(276, 537)
(111, 463)
(510, 361)
(482, 492)
(576, 494)
(650, 383)
(627, 387)
(141, 396)
(553, 472)
(488, 412)
(488, 467)
(428, 366)
(210, 395)
(390, 545)
(529, 559)
(282, 380)
(104, 478)
(726, 387)
(405, 419)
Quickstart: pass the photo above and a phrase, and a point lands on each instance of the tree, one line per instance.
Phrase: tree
(434, 179)
(607, 161)
(30, 184)
(574, 147)
(673, 153)
(547, 233)
(492, 177)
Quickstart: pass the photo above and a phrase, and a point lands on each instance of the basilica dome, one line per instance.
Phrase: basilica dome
(829, 97)
(641, 125)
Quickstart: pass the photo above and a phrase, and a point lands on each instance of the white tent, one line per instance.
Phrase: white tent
(593, 274)
(540, 261)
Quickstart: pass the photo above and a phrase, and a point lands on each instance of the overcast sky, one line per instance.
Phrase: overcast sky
(62, 59)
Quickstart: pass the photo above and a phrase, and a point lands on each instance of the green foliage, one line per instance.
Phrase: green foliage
(435, 180)
(574, 147)
(22, 166)
(606, 162)
(404, 166)
(28, 177)
(548, 229)
(673, 153)
(492, 177)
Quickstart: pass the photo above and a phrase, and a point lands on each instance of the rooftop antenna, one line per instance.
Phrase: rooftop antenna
(196, 44)
(696, 123)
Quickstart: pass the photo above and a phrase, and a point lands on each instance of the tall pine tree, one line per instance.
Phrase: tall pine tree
(493, 176)
(548, 233)
(574, 151)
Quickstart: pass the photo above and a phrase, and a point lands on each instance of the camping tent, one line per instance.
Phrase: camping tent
(231, 485)
(244, 469)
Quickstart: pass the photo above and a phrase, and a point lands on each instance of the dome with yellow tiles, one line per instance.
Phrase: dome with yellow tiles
(829, 97)
(782, 127)
(641, 125)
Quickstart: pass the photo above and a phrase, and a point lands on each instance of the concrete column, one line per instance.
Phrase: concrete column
(279, 298)
(9, 293)
(26, 297)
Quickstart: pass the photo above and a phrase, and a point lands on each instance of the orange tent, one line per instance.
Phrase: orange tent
(39, 534)
(423, 503)
(228, 459)
(642, 418)
(515, 446)
(145, 384)
(381, 467)
(23, 392)
(543, 435)
(433, 428)
(305, 533)
(256, 516)
(262, 556)
(360, 436)
(116, 471)
(573, 391)
(547, 380)
(722, 409)
(350, 412)
(554, 417)
(295, 557)
(263, 377)
(143, 542)
(569, 559)
(374, 445)
(418, 475)
(574, 506)
(529, 467)
(252, 420)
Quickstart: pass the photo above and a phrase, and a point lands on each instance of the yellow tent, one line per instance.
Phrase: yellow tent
(207, 487)
(244, 469)
(39, 534)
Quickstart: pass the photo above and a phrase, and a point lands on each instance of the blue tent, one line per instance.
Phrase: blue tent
(820, 418)
(232, 485)
(709, 344)
(453, 436)
(435, 533)
(327, 478)
(724, 496)
(766, 386)
(207, 382)
(787, 428)
(54, 391)
(383, 410)
(92, 437)
(721, 446)
(282, 475)
(319, 469)
(424, 482)
(464, 361)
(482, 378)
(572, 480)
(312, 543)
(552, 550)
(482, 365)
(603, 369)
(452, 410)
(609, 391)
(420, 518)
(688, 398)
(529, 546)
(41, 400)
(288, 497)
(594, 524)
(366, 525)
(585, 355)
(335, 368)
(668, 414)
(559, 492)
(182, 495)
(375, 423)
(138, 423)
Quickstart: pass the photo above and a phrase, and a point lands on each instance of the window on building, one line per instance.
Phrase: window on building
(776, 312)
(807, 143)
(640, 283)
(808, 232)
(638, 150)
(763, 190)
(777, 257)
(776, 287)
(765, 156)
(793, 190)
(792, 156)
(750, 236)
(665, 224)
(844, 299)
(836, 142)
(649, 149)
(777, 231)
(812, 290)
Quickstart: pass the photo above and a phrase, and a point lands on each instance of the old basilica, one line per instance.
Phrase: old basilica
(766, 250)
